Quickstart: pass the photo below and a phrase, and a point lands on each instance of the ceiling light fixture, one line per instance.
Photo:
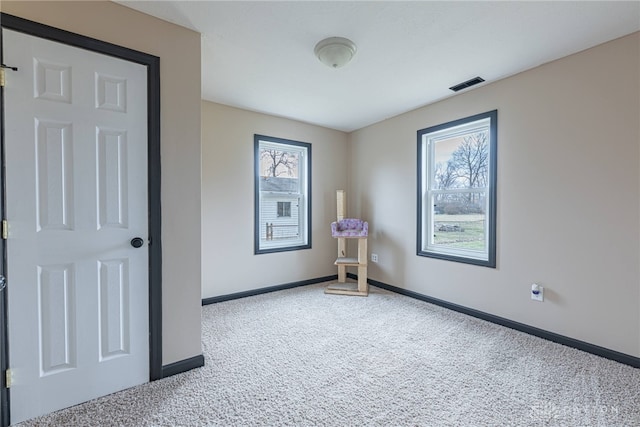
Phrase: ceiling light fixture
(335, 52)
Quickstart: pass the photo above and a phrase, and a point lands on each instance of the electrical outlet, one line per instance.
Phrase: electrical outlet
(374, 257)
(537, 292)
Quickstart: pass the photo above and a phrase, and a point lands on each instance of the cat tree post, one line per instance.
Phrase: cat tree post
(341, 204)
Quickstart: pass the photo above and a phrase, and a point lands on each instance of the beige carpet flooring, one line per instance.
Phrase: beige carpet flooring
(302, 358)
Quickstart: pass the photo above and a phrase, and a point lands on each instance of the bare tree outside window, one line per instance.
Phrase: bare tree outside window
(446, 175)
(468, 166)
(277, 163)
(471, 160)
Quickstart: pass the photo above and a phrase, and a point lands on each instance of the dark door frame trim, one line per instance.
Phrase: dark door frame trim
(153, 128)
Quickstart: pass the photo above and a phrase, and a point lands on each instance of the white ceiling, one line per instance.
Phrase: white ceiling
(259, 55)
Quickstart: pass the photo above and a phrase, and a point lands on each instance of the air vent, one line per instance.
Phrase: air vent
(468, 83)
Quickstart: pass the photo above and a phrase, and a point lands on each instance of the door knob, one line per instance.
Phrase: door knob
(137, 242)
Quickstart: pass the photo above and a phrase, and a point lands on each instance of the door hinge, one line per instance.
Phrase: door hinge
(5, 229)
(7, 378)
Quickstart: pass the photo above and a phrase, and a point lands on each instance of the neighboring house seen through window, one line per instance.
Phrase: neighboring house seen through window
(457, 190)
(282, 194)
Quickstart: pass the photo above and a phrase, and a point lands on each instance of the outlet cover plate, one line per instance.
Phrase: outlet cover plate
(539, 296)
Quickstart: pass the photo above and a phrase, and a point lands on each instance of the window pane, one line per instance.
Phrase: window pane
(279, 170)
(280, 221)
(461, 161)
(459, 221)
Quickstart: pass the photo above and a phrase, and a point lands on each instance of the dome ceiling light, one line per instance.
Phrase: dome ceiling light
(335, 52)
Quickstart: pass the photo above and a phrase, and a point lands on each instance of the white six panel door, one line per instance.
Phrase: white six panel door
(76, 169)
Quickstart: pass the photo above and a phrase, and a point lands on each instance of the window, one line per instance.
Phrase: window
(284, 209)
(457, 190)
(282, 194)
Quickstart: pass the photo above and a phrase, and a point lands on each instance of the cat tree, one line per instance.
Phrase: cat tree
(343, 229)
